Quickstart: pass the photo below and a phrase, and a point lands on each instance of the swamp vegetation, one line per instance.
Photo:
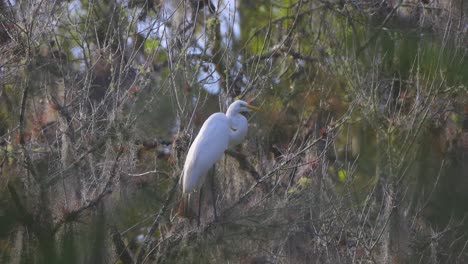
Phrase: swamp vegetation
(359, 155)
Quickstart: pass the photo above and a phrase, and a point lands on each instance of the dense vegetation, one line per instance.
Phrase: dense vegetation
(360, 153)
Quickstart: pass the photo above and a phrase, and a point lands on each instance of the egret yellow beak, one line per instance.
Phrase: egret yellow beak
(253, 108)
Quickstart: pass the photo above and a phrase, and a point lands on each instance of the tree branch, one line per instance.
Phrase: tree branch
(29, 163)
(120, 249)
(147, 243)
(244, 164)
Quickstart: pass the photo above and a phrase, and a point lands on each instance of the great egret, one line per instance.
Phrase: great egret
(217, 133)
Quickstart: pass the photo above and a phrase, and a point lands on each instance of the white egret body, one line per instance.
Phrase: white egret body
(217, 133)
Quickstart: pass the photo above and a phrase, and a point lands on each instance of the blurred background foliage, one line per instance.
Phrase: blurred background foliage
(360, 153)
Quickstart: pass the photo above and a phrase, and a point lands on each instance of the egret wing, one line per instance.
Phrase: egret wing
(207, 148)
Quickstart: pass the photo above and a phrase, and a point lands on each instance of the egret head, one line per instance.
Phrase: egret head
(240, 106)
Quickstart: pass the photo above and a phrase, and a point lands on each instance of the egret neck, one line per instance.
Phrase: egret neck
(238, 127)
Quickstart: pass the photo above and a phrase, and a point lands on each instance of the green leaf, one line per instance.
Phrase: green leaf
(151, 45)
(342, 175)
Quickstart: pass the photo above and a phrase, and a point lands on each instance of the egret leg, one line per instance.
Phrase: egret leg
(213, 192)
(200, 197)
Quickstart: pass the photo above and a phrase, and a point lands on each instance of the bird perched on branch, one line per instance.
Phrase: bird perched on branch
(219, 132)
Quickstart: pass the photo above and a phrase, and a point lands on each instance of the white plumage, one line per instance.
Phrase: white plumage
(217, 133)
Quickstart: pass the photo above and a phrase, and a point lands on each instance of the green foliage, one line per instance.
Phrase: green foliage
(342, 175)
(355, 111)
(151, 45)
